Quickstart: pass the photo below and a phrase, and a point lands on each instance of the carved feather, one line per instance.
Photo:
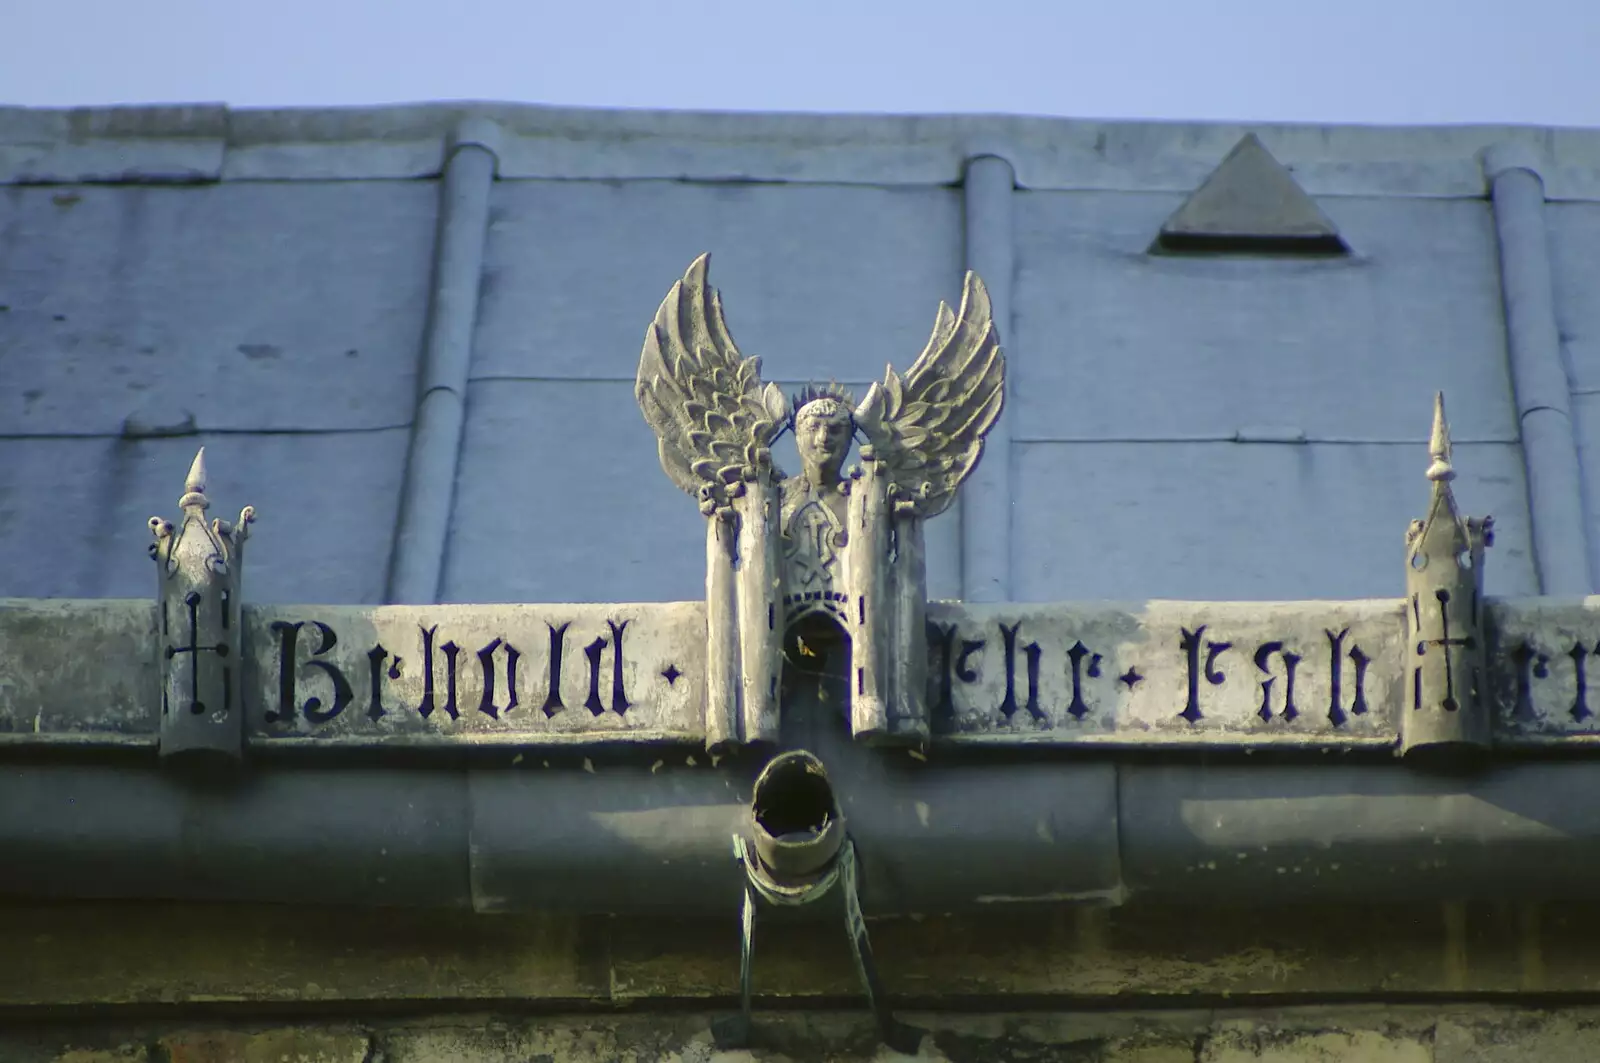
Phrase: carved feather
(928, 426)
(713, 420)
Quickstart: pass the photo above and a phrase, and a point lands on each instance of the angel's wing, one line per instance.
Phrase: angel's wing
(712, 417)
(929, 426)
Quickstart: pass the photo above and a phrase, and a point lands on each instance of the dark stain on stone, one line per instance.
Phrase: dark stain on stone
(66, 199)
(147, 349)
(32, 395)
(967, 1048)
(4, 309)
(257, 351)
(352, 353)
(58, 317)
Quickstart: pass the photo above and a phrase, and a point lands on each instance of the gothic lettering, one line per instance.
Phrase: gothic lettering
(1263, 659)
(486, 667)
(619, 698)
(1008, 706)
(1190, 644)
(965, 671)
(1008, 636)
(1033, 653)
(450, 651)
(558, 644)
(343, 694)
(1358, 706)
(375, 670)
(1078, 708)
(1580, 664)
(951, 665)
(1530, 664)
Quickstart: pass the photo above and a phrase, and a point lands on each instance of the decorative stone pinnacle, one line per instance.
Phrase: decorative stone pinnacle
(1439, 444)
(224, 538)
(194, 485)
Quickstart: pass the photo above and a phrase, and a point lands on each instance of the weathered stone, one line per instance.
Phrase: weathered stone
(1145, 1052)
(78, 672)
(1544, 675)
(1328, 1034)
(200, 583)
(815, 546)
(307, 1044)
(120, 1054)
(838, 1037)
(1252, 1042)
(1447, 706)
(1511, 1037)
(167, 954)
(1008, 673)
(447, 674)
(1169, 673)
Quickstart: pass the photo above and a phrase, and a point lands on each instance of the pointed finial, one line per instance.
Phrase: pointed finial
(1439, 444)
(194, 485)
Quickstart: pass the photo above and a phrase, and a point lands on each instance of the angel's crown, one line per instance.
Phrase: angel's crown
(831, 397)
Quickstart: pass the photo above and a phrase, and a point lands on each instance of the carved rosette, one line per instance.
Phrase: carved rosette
(200, 652)
(1446, 702)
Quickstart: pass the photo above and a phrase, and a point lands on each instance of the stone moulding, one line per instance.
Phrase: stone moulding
(1173, 675)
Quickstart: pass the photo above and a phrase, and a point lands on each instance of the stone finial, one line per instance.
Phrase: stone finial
(1445, 700)
(1439, 444)
(199, 585)
(194, 485)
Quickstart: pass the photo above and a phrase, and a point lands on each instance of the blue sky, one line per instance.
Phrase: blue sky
(1400, 61)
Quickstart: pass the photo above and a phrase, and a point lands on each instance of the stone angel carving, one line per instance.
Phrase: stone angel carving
(716, 421)
(843, 546)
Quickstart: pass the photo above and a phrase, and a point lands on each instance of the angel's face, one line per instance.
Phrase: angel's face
(822, 433)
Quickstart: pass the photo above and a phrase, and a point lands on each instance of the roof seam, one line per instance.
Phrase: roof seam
(1341, 441)
(217, 431)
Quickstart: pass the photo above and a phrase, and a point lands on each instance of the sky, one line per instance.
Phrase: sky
(1365, 61)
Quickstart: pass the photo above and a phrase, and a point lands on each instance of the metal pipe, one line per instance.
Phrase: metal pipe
(1539, 379)
(417, 559)
(985, 506)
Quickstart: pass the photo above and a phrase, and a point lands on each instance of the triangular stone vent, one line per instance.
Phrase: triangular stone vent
(1250, 204)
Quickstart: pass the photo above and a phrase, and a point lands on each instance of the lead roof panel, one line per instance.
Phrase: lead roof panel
(253, 307)
(820, 280)
(273, 307)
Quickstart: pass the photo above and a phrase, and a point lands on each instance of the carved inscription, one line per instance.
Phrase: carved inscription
(442, 665)
(1190, 644)
(1337, 714)
(483, 670)
(1552, 683)
(1183, 670)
